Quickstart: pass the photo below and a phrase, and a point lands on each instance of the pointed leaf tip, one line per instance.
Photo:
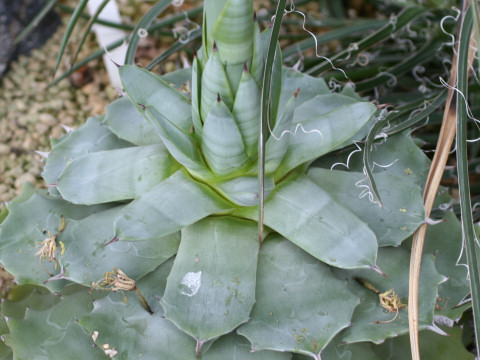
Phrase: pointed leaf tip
(255, 19)
(116, 64)
(245, 68)
(218, 97)
(378, 270)
(215, 46)
(194, 53)
(296, 93)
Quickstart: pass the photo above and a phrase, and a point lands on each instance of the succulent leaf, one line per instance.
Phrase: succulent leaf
(276, 83)
(246, 111)
(294, 312)
(236, 347)
(169, 112)
(214, 82)
(114, 175)
(151, 91)
(244, 190)
(402, 211)
(448, 258)
(60, 336)
(233, 32)
(134, 333)
(90, 251)
(308, 216)
(321, 134)
(277, 144)
(152, 215)
(309, 86)
(91, 137)
(432, 346)
(27, 225)
(196, 96)
(395, 263)
(258, 56)
(125, 121)
(211, 289)
(222, 142)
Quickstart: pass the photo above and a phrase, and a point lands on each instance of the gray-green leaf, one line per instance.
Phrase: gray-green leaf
(211, 289)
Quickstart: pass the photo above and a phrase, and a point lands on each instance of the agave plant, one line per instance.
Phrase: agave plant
(147, 243)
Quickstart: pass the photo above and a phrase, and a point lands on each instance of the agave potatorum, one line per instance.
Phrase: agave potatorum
(165, 184)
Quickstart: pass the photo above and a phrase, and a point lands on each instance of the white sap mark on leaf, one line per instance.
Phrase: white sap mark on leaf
(191, 283)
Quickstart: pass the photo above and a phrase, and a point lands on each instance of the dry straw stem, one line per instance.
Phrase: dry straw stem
(445, 140)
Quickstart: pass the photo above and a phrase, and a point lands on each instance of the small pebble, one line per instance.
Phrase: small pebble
(4, 149)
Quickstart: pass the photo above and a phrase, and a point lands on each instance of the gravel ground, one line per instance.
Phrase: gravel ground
(31, 112)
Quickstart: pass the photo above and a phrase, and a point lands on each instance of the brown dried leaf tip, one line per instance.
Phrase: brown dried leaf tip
(117, 280)
(48, 247)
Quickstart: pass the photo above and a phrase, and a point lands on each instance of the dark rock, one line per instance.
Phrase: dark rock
(15, 15)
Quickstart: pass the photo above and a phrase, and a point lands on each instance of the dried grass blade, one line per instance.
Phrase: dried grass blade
(446, 137)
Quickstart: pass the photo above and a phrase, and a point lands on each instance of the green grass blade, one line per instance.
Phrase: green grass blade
(471, 246)
(92, 21)
(95, 55)
(267, 80)
(375, 129)
(144, 23)
(424, 54)
(35, 21)
(69, 10)
(433, 105)
(346, 31)
(177, 46)
(403, 19)
(71, 24)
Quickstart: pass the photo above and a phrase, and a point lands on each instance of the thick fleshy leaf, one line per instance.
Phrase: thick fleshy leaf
(211, 12)
(125, 121)
(321, 134)
(258, 57)
(445, 241)
(235, 347)
(115, 175)
(54, 333)
(196, 93)
(395, 264)
(134, 333)
(90, 252)
(320, 105)
(336, 350)
(222, 142)
(246, 111)
(432, 346)
(244, 190)
(144, 87)
(399, 154)
(276, 85)
(168, 207)
(211, 289)
(233, 32)
(169, 112)
(152, 286)
(309, 217)
(277, 143)
(402, 212)
(91, 137)
(214, 83)
(309, 87)
(26, 226)
(300, 304)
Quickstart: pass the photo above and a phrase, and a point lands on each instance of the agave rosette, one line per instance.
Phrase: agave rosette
(165, 184)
